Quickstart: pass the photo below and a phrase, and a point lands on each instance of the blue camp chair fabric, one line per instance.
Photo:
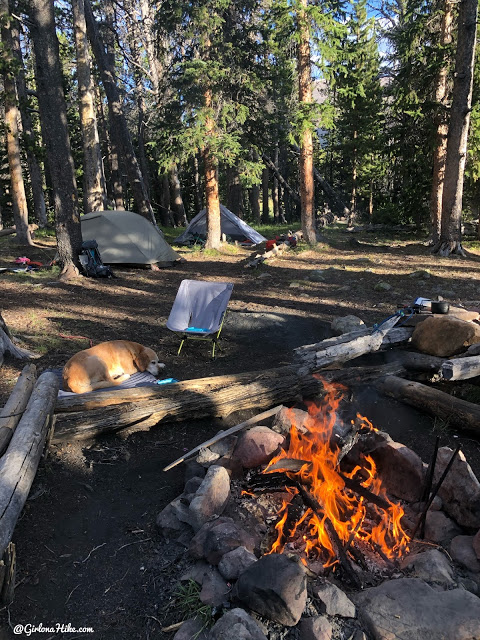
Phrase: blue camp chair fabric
(199, 309)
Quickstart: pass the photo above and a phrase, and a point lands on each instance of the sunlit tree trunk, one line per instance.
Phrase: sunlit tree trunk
(12, 117)
(94, 196)
(36, 180)
(53, 112)
(440, 151)
(306, 142)
(176, 197)
(211, 183)
(451, 235)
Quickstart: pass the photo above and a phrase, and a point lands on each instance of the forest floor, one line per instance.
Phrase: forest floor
(87, 548)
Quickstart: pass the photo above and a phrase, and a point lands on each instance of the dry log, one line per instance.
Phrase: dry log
(10, 230)
(347, 350)
(9, 571)
(268, 255)
(225, 434)
(461, 368)
(462, 414)
(7, 346)
(260, 390)
(12, 412)
(19, 464)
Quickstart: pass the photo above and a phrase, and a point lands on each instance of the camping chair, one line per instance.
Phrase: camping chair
(199, 310)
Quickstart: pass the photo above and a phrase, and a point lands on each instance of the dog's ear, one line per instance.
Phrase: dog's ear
(141, 360)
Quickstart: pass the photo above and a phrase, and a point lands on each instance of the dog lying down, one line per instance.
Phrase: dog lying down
(108, 364)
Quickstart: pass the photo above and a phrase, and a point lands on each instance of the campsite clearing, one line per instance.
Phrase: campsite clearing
(95, 557)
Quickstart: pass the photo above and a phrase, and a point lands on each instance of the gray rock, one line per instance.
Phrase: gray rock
(334, 600)
(317, 275)
(193, 469)
(236, 624)
(196, 572)
(192, 485)
(257, 446)
(382, 286)
(409, 609)
(214, 588)
(431, 566)
(192, 628)
(346, 324)
(225, 446)
(315, 628)
(401, 470)
(217, 538)
(461, 550)
(235, 562)
(206, 456)
(283, 420)
(421, 273)
(211, 497)
(476, 544)
(440, 528)
(168, 522)
(275, 587)
(460, 490)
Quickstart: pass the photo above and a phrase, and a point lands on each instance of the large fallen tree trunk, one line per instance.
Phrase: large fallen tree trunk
(346, 347)
(12, 412)
(19, 464)
(215, 397)
(7, 346)
(454, 411)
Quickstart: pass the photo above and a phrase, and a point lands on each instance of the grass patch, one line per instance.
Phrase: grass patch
(187, 604)
(46, 232)
(28, 277)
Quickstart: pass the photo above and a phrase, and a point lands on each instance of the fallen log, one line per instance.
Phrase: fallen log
(464, 415)
(259, 390)
(19, 464)
(268, 255)
(345, 351)
(461, 368)
(7, 346)
(12, 412)
(10, 230)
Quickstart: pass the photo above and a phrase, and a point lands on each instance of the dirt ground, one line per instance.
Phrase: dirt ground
(87, 548)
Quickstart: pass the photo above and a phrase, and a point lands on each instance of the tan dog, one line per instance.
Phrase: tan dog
(108, 364)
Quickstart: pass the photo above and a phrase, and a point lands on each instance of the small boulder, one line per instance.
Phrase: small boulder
(275, 587)
(346, 324)
(214, 588)
(217, 538)
(315, 628)
(257, 446)
(401, 470)
(444, 336)
(282, 423)
(317, 275)
(211, 497)
(431, 566)
(440, 528)
(382, 286)
(460, 490)
(235, 562)
(236, 624)
(462, 551)
(193, 628)
(334, 600)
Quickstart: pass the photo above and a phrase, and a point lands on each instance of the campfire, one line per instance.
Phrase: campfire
(332, 511)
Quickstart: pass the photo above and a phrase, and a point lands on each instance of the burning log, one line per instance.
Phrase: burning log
(463, 414)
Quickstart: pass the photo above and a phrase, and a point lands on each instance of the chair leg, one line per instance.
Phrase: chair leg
(180, 347)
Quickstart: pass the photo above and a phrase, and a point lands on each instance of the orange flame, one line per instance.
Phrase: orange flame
(347, 512)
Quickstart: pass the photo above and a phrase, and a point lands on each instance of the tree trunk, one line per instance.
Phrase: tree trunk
(120, 128)
(451, 235)
(12, 117)
(353, 195)
(176, 198)
(275, 198)
(306, 144)
(198, 191)
(235, 192)
(254, 198)
(265, 208)
(148, 10)
(36, 180)
(53, 113)
(94, 196)
(211, 185)
(440, 151)
(165, 211)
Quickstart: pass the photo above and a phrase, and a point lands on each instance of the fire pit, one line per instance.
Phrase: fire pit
(290, 519)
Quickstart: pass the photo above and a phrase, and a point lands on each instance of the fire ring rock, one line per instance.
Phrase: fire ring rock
(257, 446)
(217, 538)
(236, 624)
(211, 496)
(274, 587)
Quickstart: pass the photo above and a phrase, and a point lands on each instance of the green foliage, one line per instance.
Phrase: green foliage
(187, 604)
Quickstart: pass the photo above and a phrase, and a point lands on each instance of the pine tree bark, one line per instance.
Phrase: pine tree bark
(234, 192)
(451, 235)
(265, 194)
(306, 142)
(211, 184)
(120, 131)
(440, 151)
(53, 112)
(94, 196)
(254, 197)
(197, 186)
(275, 199)
(36, 180)
(176, 197)
(12, 117)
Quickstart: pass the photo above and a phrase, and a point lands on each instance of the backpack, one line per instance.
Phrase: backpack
(91, 261)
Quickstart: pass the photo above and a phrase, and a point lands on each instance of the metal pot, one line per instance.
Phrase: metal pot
(440, 306)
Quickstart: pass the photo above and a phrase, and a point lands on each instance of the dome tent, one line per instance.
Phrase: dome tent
(124, 237)
(231, 225)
